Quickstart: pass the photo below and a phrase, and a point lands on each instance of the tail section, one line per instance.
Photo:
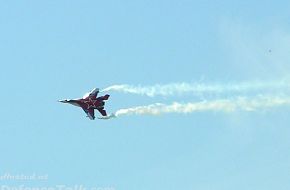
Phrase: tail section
(103, 112)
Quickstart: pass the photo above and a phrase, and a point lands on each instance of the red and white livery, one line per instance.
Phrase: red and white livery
(90, 102)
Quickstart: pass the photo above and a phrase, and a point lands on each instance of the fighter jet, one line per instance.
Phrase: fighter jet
(90, 102)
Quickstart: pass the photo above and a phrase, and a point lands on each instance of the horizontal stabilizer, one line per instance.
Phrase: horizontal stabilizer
(106, 97)
(103, 112)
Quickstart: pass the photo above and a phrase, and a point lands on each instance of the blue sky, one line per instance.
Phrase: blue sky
(52, 50)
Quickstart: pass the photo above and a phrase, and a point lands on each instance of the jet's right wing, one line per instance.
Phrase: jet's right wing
(90, 113)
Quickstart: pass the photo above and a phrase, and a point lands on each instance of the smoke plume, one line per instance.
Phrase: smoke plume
(201, 88)
(222, 105)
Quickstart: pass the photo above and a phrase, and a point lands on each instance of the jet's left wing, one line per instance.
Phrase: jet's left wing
(90, 113)
(93, 94)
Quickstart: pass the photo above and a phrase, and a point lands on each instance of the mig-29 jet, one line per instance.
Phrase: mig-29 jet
(90, 102)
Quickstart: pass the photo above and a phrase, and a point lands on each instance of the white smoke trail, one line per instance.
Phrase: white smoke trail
(222, 105)
(200, 88)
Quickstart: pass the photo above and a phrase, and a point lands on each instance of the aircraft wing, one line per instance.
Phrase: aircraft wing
(102, 111)
(93, 94)
(90, 113)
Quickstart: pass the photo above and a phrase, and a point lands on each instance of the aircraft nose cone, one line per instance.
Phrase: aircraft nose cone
(63, 101)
